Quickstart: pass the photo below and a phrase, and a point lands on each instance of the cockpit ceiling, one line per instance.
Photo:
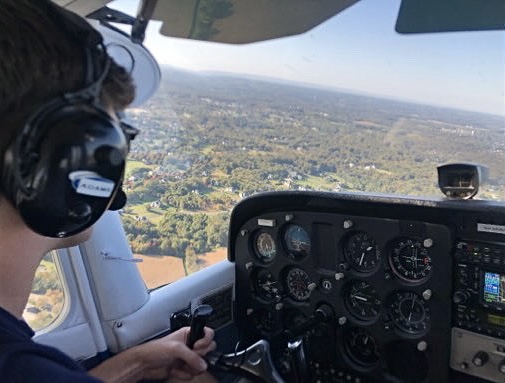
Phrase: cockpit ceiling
(246, 21)
(228, 21)
(82, 7)
(243, 21)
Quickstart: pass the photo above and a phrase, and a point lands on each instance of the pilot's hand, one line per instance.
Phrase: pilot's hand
(170, 357)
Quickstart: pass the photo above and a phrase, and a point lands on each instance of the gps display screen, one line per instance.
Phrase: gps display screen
(494, 288)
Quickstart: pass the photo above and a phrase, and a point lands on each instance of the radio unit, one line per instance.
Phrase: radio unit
(479, 288)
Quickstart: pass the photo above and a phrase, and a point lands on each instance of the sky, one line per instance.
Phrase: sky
(358, 50)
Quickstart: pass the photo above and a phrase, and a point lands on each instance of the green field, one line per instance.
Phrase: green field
(132, 165)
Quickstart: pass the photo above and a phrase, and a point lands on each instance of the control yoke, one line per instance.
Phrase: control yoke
(255, 359)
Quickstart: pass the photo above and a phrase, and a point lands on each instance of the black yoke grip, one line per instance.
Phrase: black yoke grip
(198, 322)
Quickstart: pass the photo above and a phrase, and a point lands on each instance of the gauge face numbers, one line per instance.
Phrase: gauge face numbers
(410, 260)
(298, 284)
(362, 300)
(297, 241)
(265, 248)
(409, 312)
(362, 252)
(361, 347)
(266, 285)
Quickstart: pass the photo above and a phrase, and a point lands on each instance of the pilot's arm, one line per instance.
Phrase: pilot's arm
(158, 359)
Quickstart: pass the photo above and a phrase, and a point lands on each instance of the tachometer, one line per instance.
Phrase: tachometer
(361, 347)
(362, 252)
(297, 241)
(409, 312)
(410, 260)
(362, 300)
(265, 248)
(298, 284)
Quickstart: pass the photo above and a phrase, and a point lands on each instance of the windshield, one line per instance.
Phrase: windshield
(348, 106)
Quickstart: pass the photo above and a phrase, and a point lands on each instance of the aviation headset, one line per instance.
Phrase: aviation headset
(65, 168)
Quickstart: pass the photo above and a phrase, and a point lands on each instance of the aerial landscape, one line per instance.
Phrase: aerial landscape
(209, 140)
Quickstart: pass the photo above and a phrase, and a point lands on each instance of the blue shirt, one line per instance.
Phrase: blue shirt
(24, 361)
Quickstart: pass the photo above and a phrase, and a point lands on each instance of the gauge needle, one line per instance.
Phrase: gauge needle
(361, 259)
(360, 298)
(411, 309)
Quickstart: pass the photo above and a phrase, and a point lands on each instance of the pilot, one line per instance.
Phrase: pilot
(60, 95)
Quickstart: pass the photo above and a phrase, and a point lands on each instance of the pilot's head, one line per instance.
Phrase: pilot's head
(62, 149)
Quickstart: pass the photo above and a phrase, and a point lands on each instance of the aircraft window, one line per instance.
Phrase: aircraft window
(348, 106)
(45, 304)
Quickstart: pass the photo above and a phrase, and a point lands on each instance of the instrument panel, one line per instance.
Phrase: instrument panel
(364, 282)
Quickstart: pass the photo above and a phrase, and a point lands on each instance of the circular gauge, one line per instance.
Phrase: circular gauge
(263, 320)
(298, 284)
(362, 252)
(264, 247)
(409, 312)
(292, 318)
(410, 260)
(297, 241)
(361, 347)
(362, 300)
(265, 285)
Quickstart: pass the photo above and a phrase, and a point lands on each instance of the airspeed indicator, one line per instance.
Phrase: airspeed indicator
(265, 248)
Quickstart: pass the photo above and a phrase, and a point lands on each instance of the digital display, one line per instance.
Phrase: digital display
(496, 320)
(494, 288)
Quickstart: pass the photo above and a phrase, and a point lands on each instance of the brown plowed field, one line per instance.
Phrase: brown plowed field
(158, 270)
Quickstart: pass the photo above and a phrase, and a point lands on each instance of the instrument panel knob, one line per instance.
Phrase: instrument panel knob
(480, 358)
(460, 296)
(501, 367)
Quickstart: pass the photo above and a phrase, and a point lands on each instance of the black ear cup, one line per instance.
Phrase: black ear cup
(67, 171)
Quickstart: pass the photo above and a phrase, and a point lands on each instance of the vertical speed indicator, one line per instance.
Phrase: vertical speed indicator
(409, 312)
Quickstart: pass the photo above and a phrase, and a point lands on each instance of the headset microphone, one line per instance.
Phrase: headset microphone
(119, 200)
